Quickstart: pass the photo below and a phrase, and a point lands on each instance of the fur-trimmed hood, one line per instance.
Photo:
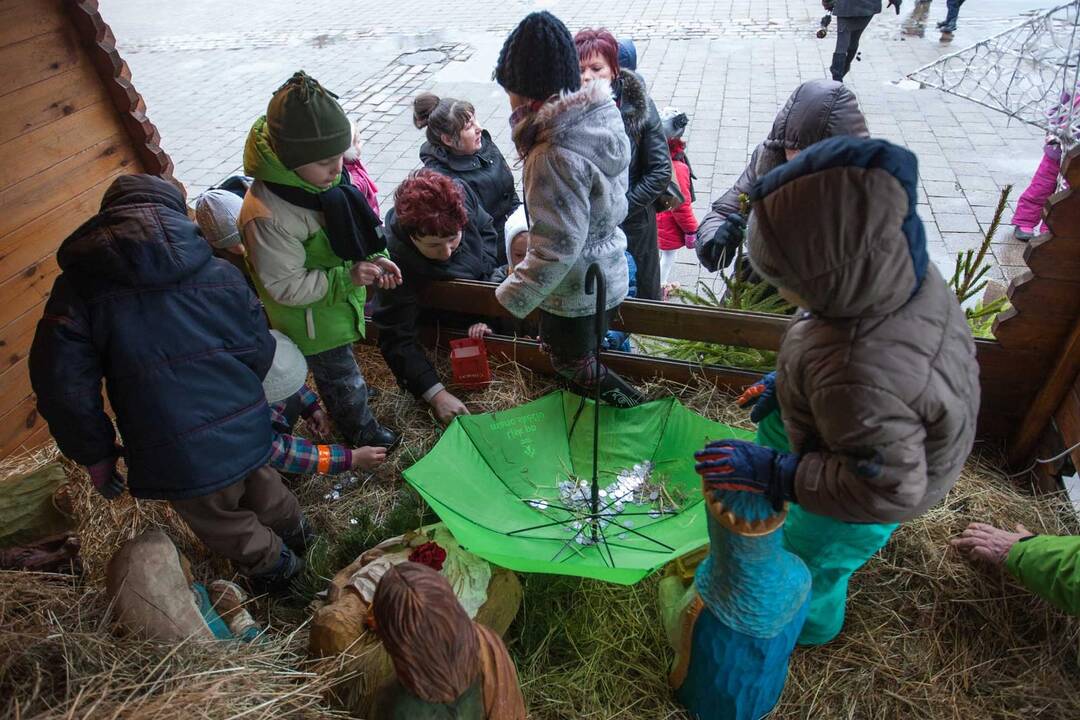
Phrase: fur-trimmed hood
(632, 97)
(570, 122)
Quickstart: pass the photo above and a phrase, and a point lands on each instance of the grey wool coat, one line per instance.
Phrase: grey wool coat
(877, 379)
(575, 178)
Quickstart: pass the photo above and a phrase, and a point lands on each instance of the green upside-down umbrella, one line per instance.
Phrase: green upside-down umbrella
(514, 486)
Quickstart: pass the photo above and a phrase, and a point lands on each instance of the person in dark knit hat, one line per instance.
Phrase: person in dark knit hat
(314, 245)
(575, 154)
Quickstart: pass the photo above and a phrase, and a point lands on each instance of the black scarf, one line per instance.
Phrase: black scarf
(352, 227)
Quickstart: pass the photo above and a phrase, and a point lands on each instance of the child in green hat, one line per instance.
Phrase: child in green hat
(315, 245)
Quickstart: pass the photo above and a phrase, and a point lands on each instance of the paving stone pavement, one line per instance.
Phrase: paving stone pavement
(207, 74)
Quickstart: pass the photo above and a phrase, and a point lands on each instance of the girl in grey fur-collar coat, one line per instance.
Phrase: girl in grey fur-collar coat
(575, 155)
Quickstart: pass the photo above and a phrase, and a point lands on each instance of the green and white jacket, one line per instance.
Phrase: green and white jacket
(306, 289)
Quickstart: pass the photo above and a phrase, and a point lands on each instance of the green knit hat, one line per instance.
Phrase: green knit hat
(305, 122)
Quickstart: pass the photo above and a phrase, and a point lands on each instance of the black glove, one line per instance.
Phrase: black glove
(721, 248)
(895, 5)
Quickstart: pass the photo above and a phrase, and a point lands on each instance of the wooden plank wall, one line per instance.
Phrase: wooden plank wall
(1041, 333)
(62, 141)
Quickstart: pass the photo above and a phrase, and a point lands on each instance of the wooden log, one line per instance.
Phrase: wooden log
(36, 59)
(37, 151)
(645, 317)
(26, 19)
(48, 101)
(1047, 400)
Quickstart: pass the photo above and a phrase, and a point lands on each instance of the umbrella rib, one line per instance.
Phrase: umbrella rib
(642, 535)
(486, 461)
(606, 546)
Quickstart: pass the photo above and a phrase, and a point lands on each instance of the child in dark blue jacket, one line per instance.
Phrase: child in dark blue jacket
(183, 345)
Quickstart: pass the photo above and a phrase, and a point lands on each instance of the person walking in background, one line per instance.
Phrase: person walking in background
(575, 152)
(852, 17)
(676, 228)
(458, 147)
(948, 25)
(650, 162)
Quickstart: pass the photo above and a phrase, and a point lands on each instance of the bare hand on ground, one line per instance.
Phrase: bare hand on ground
(447, 407)
(366, 458)
(988, 543)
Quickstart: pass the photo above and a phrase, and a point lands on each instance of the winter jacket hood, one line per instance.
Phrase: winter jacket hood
(177, 334)
(878, 383)
(576, 154)
(816, 110)
(633, 99)
(113, 247)
(837, 266)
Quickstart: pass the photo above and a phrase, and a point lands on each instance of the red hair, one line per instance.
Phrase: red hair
(427, 203)
(600, 42)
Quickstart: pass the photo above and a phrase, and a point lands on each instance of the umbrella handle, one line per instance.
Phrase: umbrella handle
(594, 283)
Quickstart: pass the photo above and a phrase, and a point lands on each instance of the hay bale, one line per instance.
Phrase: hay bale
(927, 636)
(58, 660)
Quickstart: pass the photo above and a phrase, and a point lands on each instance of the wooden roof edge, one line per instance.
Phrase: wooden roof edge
(100, 43)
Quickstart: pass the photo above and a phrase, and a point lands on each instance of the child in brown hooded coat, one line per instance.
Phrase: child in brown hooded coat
(876, 384)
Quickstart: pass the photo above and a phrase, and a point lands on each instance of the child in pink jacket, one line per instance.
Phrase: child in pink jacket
(676, 228)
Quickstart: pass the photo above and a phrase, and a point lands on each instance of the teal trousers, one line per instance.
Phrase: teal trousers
(832, 549)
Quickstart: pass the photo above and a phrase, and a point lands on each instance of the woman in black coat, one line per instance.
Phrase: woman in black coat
(650, 159)
(459, 148)
(435, 231)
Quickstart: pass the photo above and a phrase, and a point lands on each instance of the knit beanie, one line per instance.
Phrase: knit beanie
(673, 122)
(305, 122)
(539, 58)
(288, 371)
(216, 212)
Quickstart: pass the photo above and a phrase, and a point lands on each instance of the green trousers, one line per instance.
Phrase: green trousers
(832, 549)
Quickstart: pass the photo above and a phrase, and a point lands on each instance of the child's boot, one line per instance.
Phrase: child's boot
(277, 580)
(302, 538)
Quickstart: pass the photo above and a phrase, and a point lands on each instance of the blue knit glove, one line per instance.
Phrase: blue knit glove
(760, 398)
(748, 467)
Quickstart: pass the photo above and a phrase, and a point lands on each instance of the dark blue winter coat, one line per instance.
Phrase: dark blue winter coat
(177, 335)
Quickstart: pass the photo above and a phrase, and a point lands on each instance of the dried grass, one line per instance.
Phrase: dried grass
(927, 635)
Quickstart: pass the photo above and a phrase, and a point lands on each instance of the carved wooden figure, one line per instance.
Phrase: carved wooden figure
(735, 626)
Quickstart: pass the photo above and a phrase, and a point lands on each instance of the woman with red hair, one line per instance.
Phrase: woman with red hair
(650, 161)
(436, 230)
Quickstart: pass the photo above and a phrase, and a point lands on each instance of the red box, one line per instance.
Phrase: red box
(469, 362)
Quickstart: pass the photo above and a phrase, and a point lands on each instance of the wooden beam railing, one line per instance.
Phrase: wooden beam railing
(1003, 401)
